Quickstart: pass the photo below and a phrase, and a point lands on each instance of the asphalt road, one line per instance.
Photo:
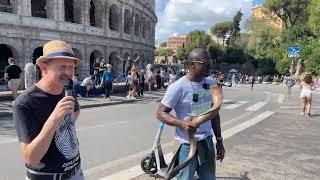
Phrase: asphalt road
(276, 143)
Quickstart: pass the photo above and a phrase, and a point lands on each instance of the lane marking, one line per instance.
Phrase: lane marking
(256, 106)
(238, 128)
(236, 118)
(235, 105)
(226, 100)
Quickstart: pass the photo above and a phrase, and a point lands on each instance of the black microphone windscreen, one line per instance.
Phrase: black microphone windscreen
(68, 84)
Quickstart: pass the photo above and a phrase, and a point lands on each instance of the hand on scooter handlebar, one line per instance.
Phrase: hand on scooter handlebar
(189, 126)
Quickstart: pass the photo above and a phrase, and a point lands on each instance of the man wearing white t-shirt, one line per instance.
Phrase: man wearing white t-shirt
(190, 96)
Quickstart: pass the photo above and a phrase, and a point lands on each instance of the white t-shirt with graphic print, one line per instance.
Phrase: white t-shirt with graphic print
(179, 97)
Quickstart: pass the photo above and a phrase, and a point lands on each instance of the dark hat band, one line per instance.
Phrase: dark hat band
(52, 55)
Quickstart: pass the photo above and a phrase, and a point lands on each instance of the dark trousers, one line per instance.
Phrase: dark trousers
(158, 84)
(141, 89)
(107, 88)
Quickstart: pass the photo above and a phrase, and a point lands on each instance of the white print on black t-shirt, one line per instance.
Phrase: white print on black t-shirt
(66, 138)
(68, 168)
(71, 162)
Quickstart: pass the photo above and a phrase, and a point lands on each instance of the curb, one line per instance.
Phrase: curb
(107, 104)
(9, 114)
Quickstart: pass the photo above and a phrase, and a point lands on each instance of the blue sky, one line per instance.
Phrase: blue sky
(182, 16)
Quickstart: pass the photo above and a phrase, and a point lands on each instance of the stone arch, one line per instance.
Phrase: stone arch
(6, 51)
(143, 27)
(128, 20)
(114, 18)
(37, 52)
(137, 25)
(39, 8)
(72, 11)
(96, 13)
(93, 56)
(115, 62)
(92, 12)
(77, 54)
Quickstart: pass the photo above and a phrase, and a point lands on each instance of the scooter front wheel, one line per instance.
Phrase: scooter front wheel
(149, 164)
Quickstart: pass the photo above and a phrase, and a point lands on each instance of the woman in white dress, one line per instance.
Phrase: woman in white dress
(307, 85)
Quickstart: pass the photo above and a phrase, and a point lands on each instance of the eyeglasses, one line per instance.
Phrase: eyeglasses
(200, 62)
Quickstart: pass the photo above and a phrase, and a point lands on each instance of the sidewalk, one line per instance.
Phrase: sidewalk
(6, 106)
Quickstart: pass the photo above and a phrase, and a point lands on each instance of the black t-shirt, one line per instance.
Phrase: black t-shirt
(13, 71)
(30, 112)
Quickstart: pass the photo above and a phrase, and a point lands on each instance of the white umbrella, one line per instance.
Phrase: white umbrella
(233, 71)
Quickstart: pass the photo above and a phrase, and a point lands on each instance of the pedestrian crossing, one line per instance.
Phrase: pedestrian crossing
(248, 106)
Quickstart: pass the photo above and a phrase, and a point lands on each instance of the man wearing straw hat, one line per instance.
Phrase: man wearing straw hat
(45, 119)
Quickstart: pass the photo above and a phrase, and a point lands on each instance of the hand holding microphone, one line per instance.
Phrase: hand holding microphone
(65, 106)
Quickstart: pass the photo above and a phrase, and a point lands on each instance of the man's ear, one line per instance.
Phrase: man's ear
(43, 68)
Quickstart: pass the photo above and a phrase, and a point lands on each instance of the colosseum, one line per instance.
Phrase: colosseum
(94, 28)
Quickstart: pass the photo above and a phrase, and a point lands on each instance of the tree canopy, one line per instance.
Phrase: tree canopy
(292, 12)
(197, 39)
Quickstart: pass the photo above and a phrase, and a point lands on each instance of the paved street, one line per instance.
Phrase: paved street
(266, 137)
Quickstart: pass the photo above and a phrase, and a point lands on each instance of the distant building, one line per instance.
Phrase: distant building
(220, 40)
(260, 12)
(166, 60)
(177, 41)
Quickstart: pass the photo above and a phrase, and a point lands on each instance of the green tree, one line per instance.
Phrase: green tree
(264, 39)
(164, 52)
(310, 54)
(312, 64)
(197, 39)
(163, 44)
(296, 34)
(283, 65)
(234, 55)
(182, 53)
(215, 52)
(314, 18)
(222, 29)
(292, 12)
(236, 27)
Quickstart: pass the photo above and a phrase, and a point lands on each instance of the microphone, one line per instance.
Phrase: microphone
(68, 91)
(68, 87)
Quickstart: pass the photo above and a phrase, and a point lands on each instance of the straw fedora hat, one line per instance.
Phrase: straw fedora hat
(57, 49)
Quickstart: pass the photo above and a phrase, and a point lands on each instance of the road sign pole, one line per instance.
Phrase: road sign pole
(291, 68)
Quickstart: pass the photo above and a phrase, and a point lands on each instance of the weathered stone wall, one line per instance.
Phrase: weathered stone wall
(22, 33)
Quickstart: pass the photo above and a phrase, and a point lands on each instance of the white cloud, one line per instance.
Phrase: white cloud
(184, 15)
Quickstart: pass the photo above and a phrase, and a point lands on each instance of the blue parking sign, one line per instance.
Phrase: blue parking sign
(293, 52)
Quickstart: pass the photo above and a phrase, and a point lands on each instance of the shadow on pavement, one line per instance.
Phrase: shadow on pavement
(242, 177)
